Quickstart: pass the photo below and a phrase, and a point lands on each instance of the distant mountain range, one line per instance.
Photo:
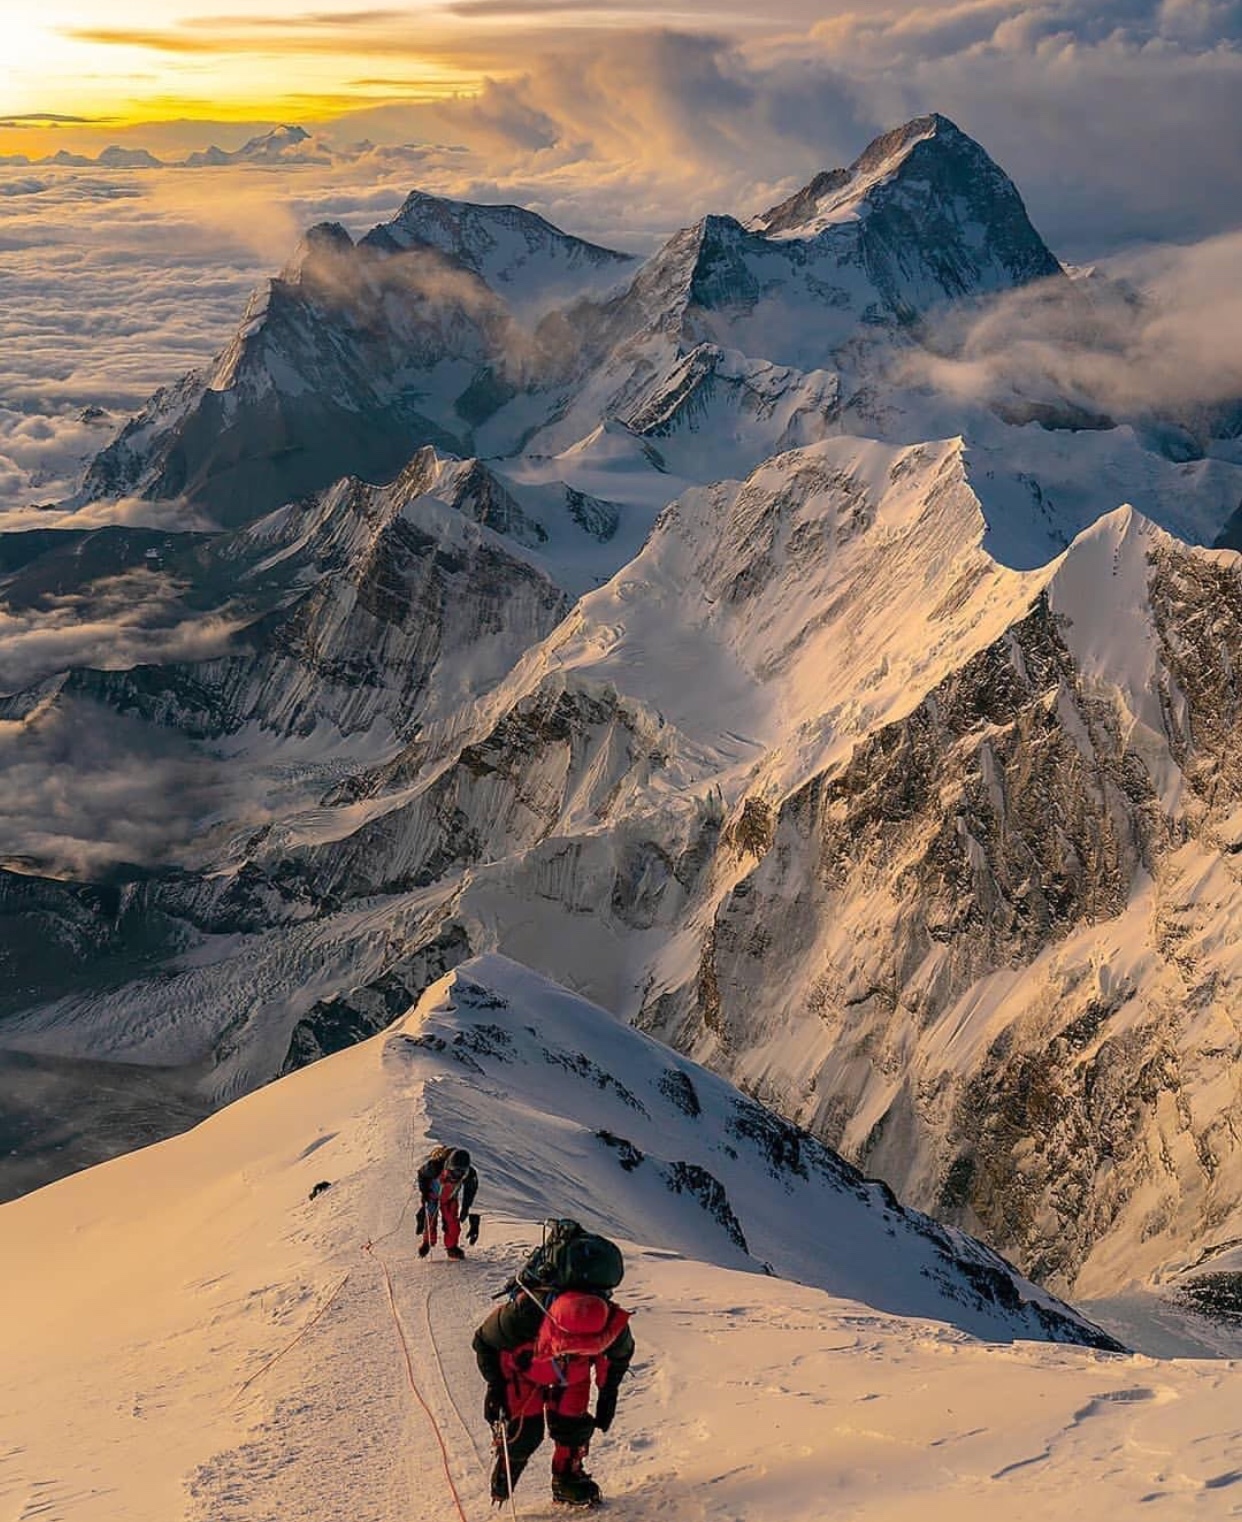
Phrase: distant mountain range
(280, 145)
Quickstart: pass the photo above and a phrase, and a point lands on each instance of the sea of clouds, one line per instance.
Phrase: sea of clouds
(1120, 122)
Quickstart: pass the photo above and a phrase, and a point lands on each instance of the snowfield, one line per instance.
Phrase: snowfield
(188, 1334)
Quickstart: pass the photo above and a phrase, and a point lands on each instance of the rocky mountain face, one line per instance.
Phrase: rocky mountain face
(983, 961)
(351, 609)
(651, 626)
(354, 357)
(933, 214)
(775, 313)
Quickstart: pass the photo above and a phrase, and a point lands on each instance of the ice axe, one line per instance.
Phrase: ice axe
(500, 1438)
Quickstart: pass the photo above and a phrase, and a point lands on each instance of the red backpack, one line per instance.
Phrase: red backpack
(579, 1325)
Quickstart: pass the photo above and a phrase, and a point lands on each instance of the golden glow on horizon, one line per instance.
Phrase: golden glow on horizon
(176, 60)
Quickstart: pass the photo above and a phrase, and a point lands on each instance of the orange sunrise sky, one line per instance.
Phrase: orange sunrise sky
(73, 72)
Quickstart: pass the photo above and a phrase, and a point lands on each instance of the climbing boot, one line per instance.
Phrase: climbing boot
(575, 1489)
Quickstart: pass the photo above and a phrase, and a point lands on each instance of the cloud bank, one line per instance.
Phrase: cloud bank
(118, 283)
(86, 789)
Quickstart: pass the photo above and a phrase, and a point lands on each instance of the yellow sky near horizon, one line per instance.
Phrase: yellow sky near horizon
(73, 69)
(73, 72)
(140, 61)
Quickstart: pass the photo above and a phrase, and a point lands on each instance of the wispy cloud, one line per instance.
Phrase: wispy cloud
(630, 9)
(114, 624)
(51, 119)
(1173, 353)
(345, 20)
(397, 33)
(240, 20)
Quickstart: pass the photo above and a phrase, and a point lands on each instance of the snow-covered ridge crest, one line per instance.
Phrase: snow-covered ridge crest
(661, 1145)
(1015, 897)
(513, 250)
(201, 1316)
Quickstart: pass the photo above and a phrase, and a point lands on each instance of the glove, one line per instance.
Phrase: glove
(420, 1220)
(472, 1236)
(606, 1407)
(494, 1407)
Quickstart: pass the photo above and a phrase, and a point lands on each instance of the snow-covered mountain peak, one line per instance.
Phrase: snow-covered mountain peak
(838, 194)
(1116, 553)
(886, 153)
(824, 571)
(838, 277)
(1123, 526)
(274, 142)
(1130, 601)
(325, 241)
(929, 187)
(514, 251)
(281, 143)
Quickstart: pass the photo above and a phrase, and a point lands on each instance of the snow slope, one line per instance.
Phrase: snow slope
(188, 1334)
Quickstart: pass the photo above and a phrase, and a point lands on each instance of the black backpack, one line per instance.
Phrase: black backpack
(573, 1258)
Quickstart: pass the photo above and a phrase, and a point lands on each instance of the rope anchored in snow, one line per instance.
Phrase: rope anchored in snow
(418, 1394)
(276, 1357)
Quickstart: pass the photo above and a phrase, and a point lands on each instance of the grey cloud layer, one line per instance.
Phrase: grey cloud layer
(116, 285)
(85, 789)
(114, 624)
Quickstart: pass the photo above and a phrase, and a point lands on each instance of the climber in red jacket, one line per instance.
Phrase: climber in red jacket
(447, 1185)
(537, 1354)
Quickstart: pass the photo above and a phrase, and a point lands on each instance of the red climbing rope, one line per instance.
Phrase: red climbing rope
(418, 1394)
(276, 1357)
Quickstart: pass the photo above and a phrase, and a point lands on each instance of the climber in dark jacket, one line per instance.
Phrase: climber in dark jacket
(447, 1185)
(538, 1361)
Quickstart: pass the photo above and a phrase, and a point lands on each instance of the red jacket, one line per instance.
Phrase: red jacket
(526, 1343)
